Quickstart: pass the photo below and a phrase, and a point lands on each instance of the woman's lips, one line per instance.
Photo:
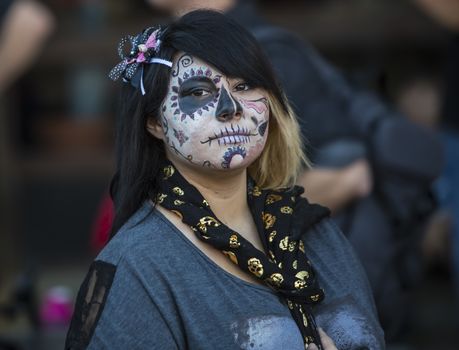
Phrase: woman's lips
(230, 136)
(233, 139)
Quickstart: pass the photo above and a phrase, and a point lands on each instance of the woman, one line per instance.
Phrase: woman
(208, 156)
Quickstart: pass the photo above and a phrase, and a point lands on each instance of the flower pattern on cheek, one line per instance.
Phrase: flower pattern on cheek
(180, 136)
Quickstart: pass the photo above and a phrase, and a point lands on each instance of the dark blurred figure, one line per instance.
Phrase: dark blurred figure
(373, 168)
(446, 13)
(24, 27)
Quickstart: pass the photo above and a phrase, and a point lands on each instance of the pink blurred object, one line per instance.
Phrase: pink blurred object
(100, 234)
(57, 307)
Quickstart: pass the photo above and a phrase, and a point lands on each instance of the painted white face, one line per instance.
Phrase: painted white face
(210, 120)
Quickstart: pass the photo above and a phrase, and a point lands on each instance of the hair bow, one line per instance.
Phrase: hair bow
(144, 47)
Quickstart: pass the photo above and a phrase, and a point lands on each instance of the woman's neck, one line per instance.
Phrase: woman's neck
(225, 193)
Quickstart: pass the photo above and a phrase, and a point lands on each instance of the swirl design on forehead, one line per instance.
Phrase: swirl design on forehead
(184, 61)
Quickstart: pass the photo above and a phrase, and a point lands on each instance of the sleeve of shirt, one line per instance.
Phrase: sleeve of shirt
(115, 310)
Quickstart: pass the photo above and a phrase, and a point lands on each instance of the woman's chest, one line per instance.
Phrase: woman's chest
(226, 262)
(231, 316)
(208, 300)
(210, 308)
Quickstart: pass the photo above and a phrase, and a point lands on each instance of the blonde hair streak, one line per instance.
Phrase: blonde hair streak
(283, 157)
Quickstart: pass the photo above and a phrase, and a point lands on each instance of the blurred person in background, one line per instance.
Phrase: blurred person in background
(372, 167)
(24, 27)
(207, 141)
(446, 13)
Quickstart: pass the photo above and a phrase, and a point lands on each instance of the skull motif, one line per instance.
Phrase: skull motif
(291, 246)
(168, 171)
(269, 220)
(178, 191)
(255, 267)
(160, 198)
(233, 242)
(315, 297)
(302, 275)
(273, 198)
(283, 244)
(256, 191)
(300, 283)
(207, 221)
(286, 210)
(275, 279)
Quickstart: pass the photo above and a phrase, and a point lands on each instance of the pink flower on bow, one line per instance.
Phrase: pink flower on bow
(150, 44)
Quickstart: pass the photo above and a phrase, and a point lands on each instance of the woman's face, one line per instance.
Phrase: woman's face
(210, 120)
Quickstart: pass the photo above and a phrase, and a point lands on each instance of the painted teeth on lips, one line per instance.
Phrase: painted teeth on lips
(233, 139)
(233, 135)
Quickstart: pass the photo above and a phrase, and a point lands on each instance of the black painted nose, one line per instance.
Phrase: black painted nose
(227, 108)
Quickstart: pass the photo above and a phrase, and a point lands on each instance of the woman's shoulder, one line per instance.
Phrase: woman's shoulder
(333, 257)
(326, 237)
(142, 234)
(123, 282)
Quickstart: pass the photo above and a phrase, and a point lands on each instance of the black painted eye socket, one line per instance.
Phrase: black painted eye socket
(200, 93)
(195, 93)
(197, 87)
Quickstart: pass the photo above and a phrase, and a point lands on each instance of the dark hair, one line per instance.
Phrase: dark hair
(217, 40)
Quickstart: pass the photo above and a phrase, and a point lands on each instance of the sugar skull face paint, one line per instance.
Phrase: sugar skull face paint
(211, 120)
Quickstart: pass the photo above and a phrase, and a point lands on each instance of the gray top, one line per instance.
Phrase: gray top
(167, 294)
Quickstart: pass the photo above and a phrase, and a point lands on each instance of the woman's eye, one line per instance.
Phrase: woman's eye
(242, 87)
(200, 93)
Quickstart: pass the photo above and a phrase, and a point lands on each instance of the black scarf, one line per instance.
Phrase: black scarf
(281, 217)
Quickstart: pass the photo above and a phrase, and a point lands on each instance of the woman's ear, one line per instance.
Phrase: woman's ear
(155, 128)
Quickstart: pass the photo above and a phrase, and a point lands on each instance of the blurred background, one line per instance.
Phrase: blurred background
(57, 116)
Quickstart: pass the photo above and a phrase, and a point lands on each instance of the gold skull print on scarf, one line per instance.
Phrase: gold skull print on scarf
(281, 216)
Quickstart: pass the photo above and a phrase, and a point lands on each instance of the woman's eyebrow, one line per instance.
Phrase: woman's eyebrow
(198, 79)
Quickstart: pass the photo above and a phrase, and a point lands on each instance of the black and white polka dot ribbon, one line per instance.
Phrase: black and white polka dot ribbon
(144, 48)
